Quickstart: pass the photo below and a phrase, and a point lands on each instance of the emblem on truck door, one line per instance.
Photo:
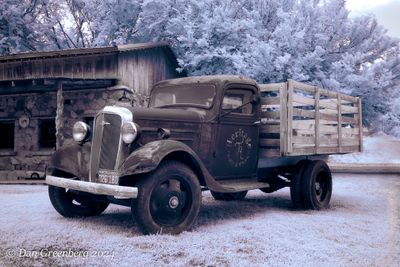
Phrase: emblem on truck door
(238, 147)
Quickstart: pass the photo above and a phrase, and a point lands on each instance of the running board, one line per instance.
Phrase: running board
(241, 185)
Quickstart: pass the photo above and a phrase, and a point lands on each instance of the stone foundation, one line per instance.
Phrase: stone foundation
(27, 157)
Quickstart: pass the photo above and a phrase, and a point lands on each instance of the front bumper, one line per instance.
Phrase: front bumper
(100, 189)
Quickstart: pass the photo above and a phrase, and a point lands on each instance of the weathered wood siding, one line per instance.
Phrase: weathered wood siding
(300, 119)
(101, 66)
(135, 66)
(139, 70)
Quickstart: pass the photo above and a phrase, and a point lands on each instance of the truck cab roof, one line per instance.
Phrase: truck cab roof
(218, 80)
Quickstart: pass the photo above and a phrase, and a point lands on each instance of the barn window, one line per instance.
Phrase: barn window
(7, 134)
(47, 133)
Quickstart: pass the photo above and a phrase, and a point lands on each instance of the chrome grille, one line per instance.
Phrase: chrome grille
(106, 143)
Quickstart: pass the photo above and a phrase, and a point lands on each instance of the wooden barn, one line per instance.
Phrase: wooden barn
(42, 94)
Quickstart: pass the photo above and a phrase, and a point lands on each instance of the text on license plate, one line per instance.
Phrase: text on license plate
(108, 177)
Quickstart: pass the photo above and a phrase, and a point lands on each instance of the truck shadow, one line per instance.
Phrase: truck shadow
(213, 211)
(118, 219)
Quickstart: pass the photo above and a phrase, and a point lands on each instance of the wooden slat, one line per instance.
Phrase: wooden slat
(303, 86)
(271, 101)
(328, 111)
(284, 117)
(304, 113)
(321, 122)
(303, 100)
(327, 143)
(349, 120)
(323, 150)
(269, 142)
(289, 117)
(271, 87)
(351, 141)
(311, 131)
(303, 124)
(328, 129)
(349, 110)
(332, 104)
(334, 100)
(270, 129)
(271, 114)
(311, 89)
(351, 131)
(329, 103)
(360, 125)
(307, 141)
(317, 119)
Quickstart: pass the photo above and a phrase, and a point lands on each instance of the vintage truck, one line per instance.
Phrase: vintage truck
(226, 134)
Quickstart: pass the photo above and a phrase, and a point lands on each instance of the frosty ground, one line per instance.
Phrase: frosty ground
(362, 228)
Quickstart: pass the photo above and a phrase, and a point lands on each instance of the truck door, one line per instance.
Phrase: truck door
(236, 149)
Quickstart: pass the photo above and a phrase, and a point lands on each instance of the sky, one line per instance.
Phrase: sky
(387, 12)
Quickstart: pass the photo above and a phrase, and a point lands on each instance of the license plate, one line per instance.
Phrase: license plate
(108, 177)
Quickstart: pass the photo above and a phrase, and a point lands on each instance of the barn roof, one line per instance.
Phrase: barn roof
(84, 51)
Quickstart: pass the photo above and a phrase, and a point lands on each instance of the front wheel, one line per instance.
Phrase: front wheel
(72, 204)
(169, 199)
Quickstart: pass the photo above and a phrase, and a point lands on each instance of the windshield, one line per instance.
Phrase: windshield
(193, 95)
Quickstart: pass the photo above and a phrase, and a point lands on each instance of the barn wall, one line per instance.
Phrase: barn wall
(27, 155)
(139, 70)
(26, 88)
(81, 105)
(79, 67)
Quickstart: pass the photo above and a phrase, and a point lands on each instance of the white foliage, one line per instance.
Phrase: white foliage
(271, 41)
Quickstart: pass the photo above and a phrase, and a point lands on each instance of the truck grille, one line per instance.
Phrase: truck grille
(106, 143)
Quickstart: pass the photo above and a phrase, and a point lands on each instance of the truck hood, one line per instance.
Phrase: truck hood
(167, 114)
(183, 125)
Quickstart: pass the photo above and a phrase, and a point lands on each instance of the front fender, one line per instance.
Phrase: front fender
(148, 157)
(73, 159)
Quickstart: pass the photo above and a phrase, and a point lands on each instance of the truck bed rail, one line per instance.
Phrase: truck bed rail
(300, 119)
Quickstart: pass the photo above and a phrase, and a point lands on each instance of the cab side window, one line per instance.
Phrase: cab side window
(235, 98)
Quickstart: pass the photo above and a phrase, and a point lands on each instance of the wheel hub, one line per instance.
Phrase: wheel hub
(173, 202)
(317, 186)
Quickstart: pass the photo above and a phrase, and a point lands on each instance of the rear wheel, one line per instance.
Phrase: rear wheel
(296, 184)
(317, 185)
(229, 196)
(169, 199)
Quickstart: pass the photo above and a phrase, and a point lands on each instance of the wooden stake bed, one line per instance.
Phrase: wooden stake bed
(299, 119)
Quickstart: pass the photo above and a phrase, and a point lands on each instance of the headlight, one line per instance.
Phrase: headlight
(80, 131)
(129, 132)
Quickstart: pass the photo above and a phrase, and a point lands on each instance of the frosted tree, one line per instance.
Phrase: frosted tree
(20, 26)
(113, 21)
(271, 41)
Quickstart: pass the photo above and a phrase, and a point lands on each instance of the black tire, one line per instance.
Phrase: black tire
(168, 200)
(296, 184)
(317, 185)
(229, 196)
(70, 204)
(268, 189)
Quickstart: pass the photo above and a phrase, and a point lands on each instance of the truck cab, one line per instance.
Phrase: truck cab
(197, 133)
